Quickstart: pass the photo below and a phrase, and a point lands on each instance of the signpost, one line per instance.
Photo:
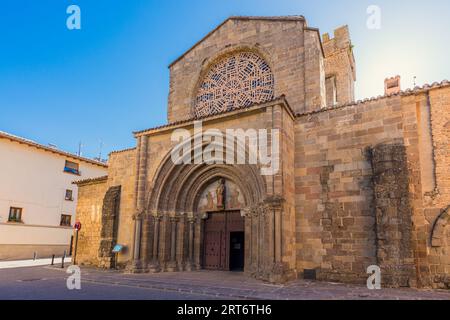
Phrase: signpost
(117, 248)
(77, 227)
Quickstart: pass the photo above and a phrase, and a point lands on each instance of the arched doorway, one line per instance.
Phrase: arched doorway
(224, 241)
(223, 246)
(184, 200)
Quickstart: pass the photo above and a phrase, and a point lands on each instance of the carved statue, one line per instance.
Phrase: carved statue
(210, 201)
(220, 194)
(234, 199)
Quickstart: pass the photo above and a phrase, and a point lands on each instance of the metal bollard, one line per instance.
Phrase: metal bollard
(62, 260)
(53, 259)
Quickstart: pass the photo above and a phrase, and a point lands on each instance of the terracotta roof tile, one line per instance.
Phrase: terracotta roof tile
(90, 180)
(407, 92)
(123, 150)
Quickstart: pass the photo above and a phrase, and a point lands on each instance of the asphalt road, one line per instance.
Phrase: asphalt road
(47, 283)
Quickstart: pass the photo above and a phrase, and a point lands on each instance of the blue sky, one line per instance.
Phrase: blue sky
(110, 78)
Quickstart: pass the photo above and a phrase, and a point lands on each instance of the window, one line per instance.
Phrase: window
(66, 220)
(15, 214)
(331, 91)
(71, 167)
(238, 80)
(69, 195)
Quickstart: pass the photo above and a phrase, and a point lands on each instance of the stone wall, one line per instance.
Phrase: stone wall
(315, 94)
(333, 180)
(360, 197)
(281, 42)
(89, 213)
(97, 198)
(437, 203)
(122, 172)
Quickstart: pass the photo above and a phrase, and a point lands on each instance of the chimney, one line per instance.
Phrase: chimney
(392, 85)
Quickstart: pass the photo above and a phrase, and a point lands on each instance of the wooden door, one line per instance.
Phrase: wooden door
(214, 249)
(217, 231)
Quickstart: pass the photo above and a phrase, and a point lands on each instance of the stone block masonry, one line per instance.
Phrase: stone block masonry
(393, 214)
(360, 183)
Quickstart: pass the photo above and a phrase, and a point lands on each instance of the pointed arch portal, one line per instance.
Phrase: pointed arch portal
(210, 216)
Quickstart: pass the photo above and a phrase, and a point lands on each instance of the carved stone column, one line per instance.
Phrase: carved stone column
(172, 266)
(278, 270)
(154, 265)
(190, 262)
(136, 265)
(262, 242)
(248, 259)
(198, 241)
(137, 237)
(147, 239)
(255, 243)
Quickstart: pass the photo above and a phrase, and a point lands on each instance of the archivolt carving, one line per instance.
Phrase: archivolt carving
(239, 80)
(177, 188)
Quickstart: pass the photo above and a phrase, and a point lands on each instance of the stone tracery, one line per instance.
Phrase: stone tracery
(239, 80)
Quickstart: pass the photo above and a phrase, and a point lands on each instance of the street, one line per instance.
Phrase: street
(49, 282)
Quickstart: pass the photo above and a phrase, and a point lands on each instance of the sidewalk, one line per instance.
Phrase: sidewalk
(32, 263)
(228, 285)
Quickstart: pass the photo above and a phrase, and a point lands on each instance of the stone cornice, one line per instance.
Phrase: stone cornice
(187, 122)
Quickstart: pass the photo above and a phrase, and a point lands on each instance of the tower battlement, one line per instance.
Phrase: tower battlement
(339, 66)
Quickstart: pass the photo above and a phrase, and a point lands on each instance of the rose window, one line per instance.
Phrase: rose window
(237, 81)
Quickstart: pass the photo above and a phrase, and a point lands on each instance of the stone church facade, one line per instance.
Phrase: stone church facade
(359, 183)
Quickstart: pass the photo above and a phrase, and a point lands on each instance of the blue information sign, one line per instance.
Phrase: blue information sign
(117, 248)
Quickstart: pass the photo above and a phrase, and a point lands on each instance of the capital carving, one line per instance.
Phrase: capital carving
(274, 202)
(139, 215)
(263, 210)
(259, 210)
(191, 220)
(246, 212)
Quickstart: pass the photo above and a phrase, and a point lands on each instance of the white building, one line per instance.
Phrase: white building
(37, 197)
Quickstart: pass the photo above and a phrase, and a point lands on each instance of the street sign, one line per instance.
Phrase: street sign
(117, 248)
(77, 225)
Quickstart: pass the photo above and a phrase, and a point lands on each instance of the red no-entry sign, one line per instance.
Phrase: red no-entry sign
(77, 226)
